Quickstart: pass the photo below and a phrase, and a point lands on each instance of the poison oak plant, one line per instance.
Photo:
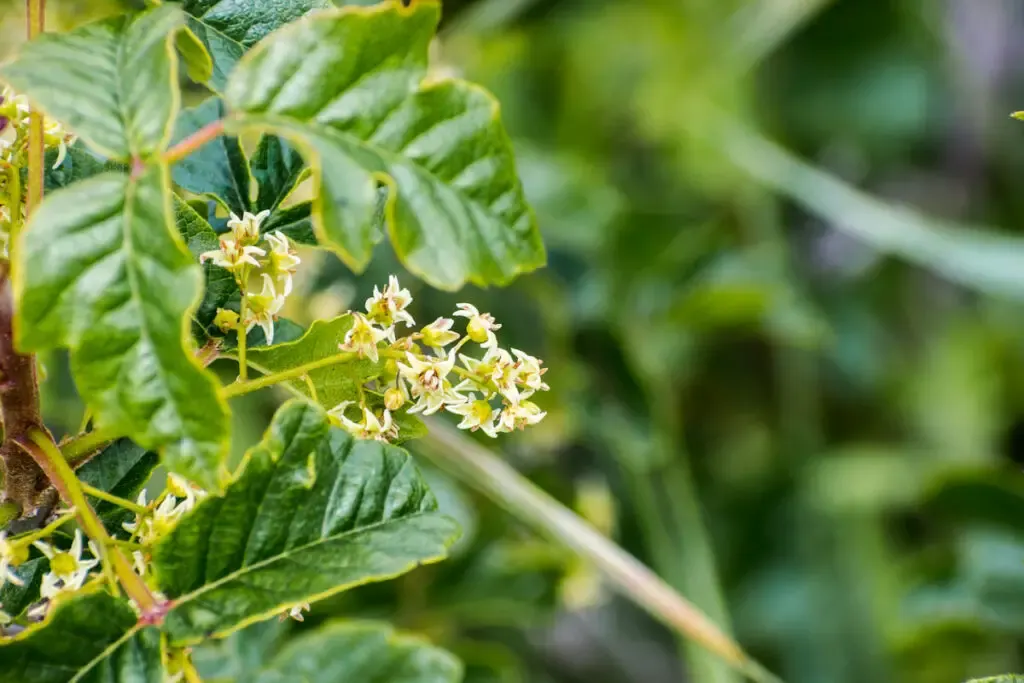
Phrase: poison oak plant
(121, 264)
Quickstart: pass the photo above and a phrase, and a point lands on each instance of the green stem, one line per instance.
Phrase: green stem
(36, 24)
(486, 472)
(48, 530)
(111, 498)
(240, 388)
(81, 447)
(63, 478)
(14, 192)
(243, 367)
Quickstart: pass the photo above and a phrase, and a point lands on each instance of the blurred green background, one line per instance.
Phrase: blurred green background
(783, 318)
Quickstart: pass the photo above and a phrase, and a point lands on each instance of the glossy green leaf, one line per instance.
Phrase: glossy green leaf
(79, 163)
(347, 87)
(334, 383)
(295, 221)
(103, 273)
(123, 468)
(227, 28)
(16, 599)
(277, 167)
(360, 651)
(113, 82)
(217, 169)
(224, 52)
(311, 513)
(88, 637)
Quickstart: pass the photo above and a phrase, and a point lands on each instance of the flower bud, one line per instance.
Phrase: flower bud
(226, 320)
(393, 399)
(477, 330)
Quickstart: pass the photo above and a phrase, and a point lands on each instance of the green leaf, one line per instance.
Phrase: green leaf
(334, 383)
(123, 468)
(113, 82)
(16, 599)
(227, 28)
(103, 273)
(296, 222)
(88, 637)
(79, 164)
(277, 168)
(369, 652)
(223, 51)
(311, 513)
(218, 169)
(347, 87)
(361, 651)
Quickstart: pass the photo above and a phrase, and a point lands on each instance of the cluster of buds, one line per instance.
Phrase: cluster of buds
(250, 256)
(14, 127)
(491, 392)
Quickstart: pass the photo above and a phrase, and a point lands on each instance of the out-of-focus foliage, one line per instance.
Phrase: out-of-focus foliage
(785, 361)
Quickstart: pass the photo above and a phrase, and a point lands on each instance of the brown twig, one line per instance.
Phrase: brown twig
(19, 405)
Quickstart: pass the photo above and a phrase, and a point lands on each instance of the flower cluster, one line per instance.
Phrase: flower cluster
(180, 497)
(14, 134)
(14, 124)
(491, 392)
(269, 259)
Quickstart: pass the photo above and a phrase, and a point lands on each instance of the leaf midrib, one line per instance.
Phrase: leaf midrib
(242, 571)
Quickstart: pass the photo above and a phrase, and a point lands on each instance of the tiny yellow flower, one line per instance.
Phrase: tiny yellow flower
(480, 327)
(226, 320)
(363, 338)
(233, 255)
(281, 262)
(263, 309)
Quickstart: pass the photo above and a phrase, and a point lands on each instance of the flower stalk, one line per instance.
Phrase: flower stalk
(36, 26)
(39, 444)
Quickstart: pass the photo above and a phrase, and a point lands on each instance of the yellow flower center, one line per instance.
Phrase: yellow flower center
(63, 564)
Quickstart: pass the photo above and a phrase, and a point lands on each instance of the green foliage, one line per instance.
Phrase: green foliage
(114, 651)
(219, 169)
(374, 654)
(311, 513)
(122, 469)
(456, 210)
(86, 281)
(114, 82)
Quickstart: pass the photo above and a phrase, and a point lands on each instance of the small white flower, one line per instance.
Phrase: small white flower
(296, 612)
(263, 309)
(519, 416)
(232, 255)
(529, 373)
(388, 307)
(10, 556)
(247, 228)
(363, 338)
(370, 427)
(480, 327)
(504, 373)
(438, 334)
(55, 135)
(139, 562)
(68, 570)
(477, 415)
(281, 262)
(428, 382)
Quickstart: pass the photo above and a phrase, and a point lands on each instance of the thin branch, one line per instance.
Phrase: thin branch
(36, 25)
(57, 469)
(193, 142)
(483, 470)
(239, 388)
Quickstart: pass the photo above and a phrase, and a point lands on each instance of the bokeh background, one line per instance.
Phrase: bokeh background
(783, 316)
